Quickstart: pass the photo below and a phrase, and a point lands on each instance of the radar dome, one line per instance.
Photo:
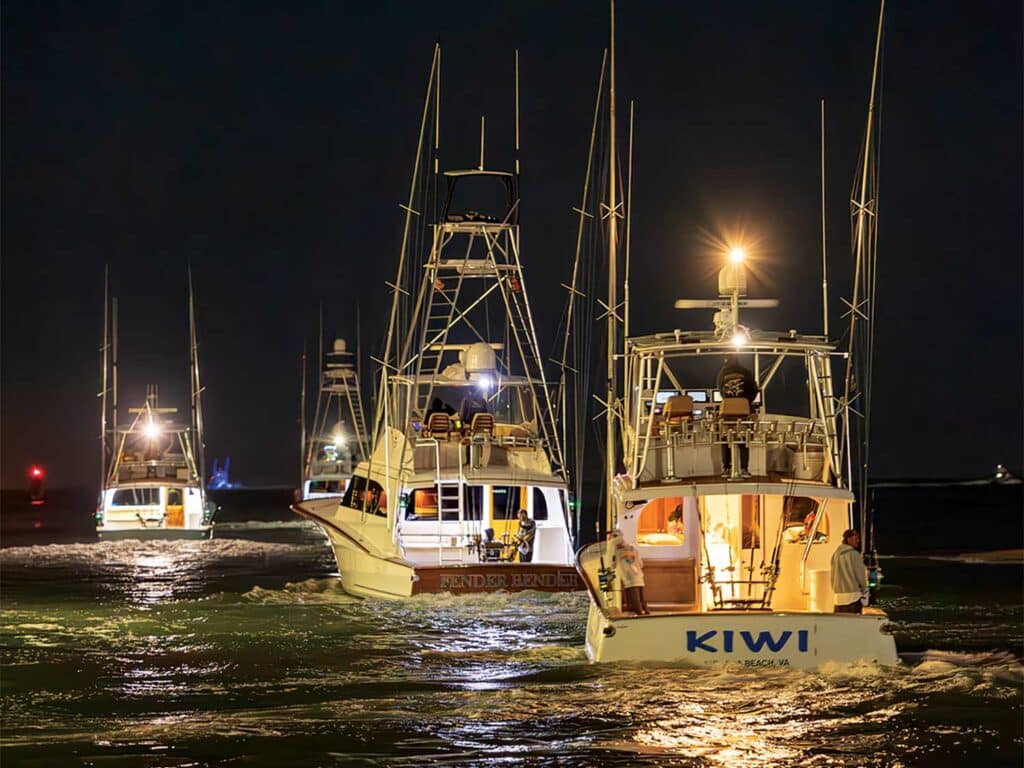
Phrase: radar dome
(479, 358)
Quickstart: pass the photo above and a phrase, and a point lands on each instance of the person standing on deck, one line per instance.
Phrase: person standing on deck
(525, 536)
(631, 572)
(849, 576)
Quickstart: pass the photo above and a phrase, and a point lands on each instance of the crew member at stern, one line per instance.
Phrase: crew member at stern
(524, 536)
(849, 576)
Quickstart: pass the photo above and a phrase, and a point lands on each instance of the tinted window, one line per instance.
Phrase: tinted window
(798, 515)
(424, 505)
(540, 505)
(473, 503)
(354, 495)
(797, 508)
(136, 497)
(506, 502)
(376, 501)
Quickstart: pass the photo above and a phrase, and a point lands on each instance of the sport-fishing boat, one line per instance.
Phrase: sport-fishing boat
(152, 467)
(465, 442)
(337, 440)
(736, 503)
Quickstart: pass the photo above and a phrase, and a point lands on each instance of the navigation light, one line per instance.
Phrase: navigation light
(152, 430)
(737, 255)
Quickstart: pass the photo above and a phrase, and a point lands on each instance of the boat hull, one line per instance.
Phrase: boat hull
(365, 574)
(751, 639)
(153, 534)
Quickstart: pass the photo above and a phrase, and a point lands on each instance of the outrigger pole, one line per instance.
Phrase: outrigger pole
(302, 420)
(113, 390)
(197, 402)
(104, 357)
(578, 439)
(397, 290)
(824, 251)
(612, 213)
(626, 374)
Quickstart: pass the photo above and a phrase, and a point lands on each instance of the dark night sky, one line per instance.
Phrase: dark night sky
(271, 143)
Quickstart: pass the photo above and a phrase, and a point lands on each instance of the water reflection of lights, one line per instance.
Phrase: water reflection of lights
(760, 721)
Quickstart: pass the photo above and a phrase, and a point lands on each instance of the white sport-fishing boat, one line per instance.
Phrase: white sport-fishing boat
(152, 468)
(465, 434)
(736, 563)
(337, 440)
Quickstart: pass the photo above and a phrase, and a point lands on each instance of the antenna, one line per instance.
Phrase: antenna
(824, 252)
(481, 142)
(516, 78)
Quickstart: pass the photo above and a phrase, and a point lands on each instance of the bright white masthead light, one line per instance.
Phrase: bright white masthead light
(739, 338)
(737, 255)
(152, 430)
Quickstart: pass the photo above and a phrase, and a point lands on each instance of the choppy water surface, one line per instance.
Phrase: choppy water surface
(247, 653)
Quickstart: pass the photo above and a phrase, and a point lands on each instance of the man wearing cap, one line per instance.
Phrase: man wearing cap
(849, 576)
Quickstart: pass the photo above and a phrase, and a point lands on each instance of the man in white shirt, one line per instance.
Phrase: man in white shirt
(849, 576)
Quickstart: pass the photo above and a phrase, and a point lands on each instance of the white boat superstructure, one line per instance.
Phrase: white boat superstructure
(152, 475)
(465, 435)
(735, 503)
(153, 489)
(338, 440)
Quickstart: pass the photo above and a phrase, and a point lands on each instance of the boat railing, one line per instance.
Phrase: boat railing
(783, 445)
(470, 450)
(158, 469)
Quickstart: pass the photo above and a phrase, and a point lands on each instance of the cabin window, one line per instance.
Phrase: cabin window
(540, 505)
(325, 486)
(798, 515)
(376, 501)
(661, 522)
(354, 495)
(473, 502)
(136, 497)
(506, 502)
(424, 505)
(173, 497)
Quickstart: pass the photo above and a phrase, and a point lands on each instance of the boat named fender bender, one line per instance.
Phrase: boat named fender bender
(465, 436)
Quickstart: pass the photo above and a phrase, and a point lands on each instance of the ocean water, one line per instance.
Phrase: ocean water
(247, 653)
